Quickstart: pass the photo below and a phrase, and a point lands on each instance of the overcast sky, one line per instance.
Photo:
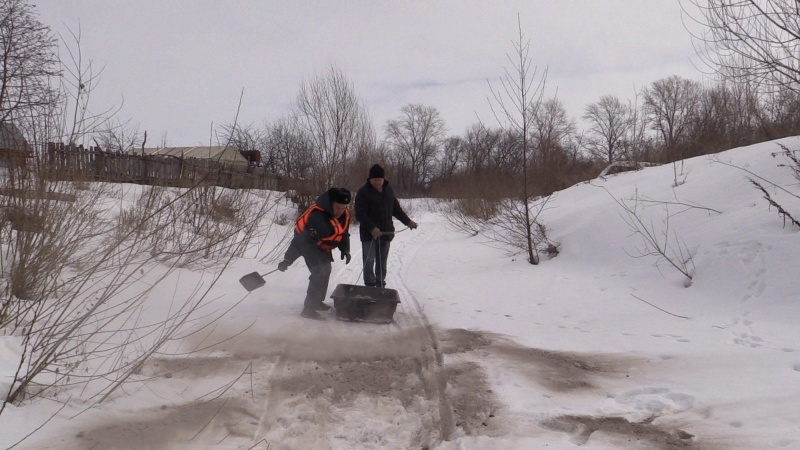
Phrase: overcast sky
(181, 65)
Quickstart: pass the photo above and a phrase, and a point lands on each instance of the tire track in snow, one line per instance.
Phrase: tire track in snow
(270, 400)
(402, 259)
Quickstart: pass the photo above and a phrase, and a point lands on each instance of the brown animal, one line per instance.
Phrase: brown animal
(253, 157)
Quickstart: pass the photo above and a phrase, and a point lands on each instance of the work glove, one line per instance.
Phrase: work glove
(346, 257)
(376, 233)
(412, 224)
(283, 265)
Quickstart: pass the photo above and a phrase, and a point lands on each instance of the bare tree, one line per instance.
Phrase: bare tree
(728, 115)
(244, 137)
(778, 114)
(672, 106)
(449, 157)
(477, 144)
(552, 131)
(250, 142)
(504, 151)
(288, 147)
(29, 60)
(609, 124)
(333, 119)
(637, 146)
(366, 151)
(516, 104)
(119, 137)
(755, 40)
(416, 135)
(70, 104)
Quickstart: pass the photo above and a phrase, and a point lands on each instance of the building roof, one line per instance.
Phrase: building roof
(219, 153)
(11, 138)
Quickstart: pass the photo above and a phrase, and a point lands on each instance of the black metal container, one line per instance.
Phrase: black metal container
(364, 303)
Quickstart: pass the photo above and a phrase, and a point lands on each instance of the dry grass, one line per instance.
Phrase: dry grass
(71, 270)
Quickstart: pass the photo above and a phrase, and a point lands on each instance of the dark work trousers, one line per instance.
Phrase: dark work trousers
(375, 254)
(319, 263)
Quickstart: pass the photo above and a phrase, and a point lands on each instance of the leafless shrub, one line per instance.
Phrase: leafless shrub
(503, 221)
(461, 219)
(76, 278)
(508, 227)
(75, 295)
(479, 208)
(217, 215)
(36, 240)
(479, 202)
(662, 243)
(781, 211)
(794, 166)
(408, 207)
(41, 301)
(677, 173)
(759, 182)
(623, 166)
(197, 225)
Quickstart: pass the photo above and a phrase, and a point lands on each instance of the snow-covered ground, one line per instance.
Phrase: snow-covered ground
(601, 347)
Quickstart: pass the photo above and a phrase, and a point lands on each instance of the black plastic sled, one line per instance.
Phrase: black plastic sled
(365, 303)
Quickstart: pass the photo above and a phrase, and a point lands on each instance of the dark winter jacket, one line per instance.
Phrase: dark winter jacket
(318, 227)
(376, 209)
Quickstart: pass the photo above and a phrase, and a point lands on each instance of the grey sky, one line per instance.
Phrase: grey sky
(181, 64)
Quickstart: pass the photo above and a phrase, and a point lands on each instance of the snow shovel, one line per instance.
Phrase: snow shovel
(254, 280)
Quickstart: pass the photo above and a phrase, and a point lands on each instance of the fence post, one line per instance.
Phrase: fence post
(99, 162)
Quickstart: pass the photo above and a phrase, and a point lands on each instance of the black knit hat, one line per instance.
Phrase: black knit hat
(376, 171)
(339, 195)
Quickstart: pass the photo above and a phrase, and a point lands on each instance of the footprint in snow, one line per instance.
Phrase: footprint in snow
(783, 443)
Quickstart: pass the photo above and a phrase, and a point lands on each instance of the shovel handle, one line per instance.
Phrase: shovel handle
(271, 271)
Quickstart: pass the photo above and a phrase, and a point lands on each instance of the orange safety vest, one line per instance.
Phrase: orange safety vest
(339, 229)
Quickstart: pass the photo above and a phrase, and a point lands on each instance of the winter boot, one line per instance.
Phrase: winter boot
(309, 313)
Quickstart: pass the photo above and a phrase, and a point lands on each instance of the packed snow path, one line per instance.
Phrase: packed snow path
(289, 383)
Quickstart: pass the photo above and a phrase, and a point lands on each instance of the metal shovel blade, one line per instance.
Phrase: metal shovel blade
(252, 281)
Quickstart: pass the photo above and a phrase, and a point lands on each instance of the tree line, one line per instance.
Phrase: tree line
(328, 137)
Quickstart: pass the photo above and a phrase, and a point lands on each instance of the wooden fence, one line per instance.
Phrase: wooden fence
(93, 164)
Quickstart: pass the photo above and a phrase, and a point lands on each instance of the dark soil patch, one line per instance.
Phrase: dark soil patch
(629, 435)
